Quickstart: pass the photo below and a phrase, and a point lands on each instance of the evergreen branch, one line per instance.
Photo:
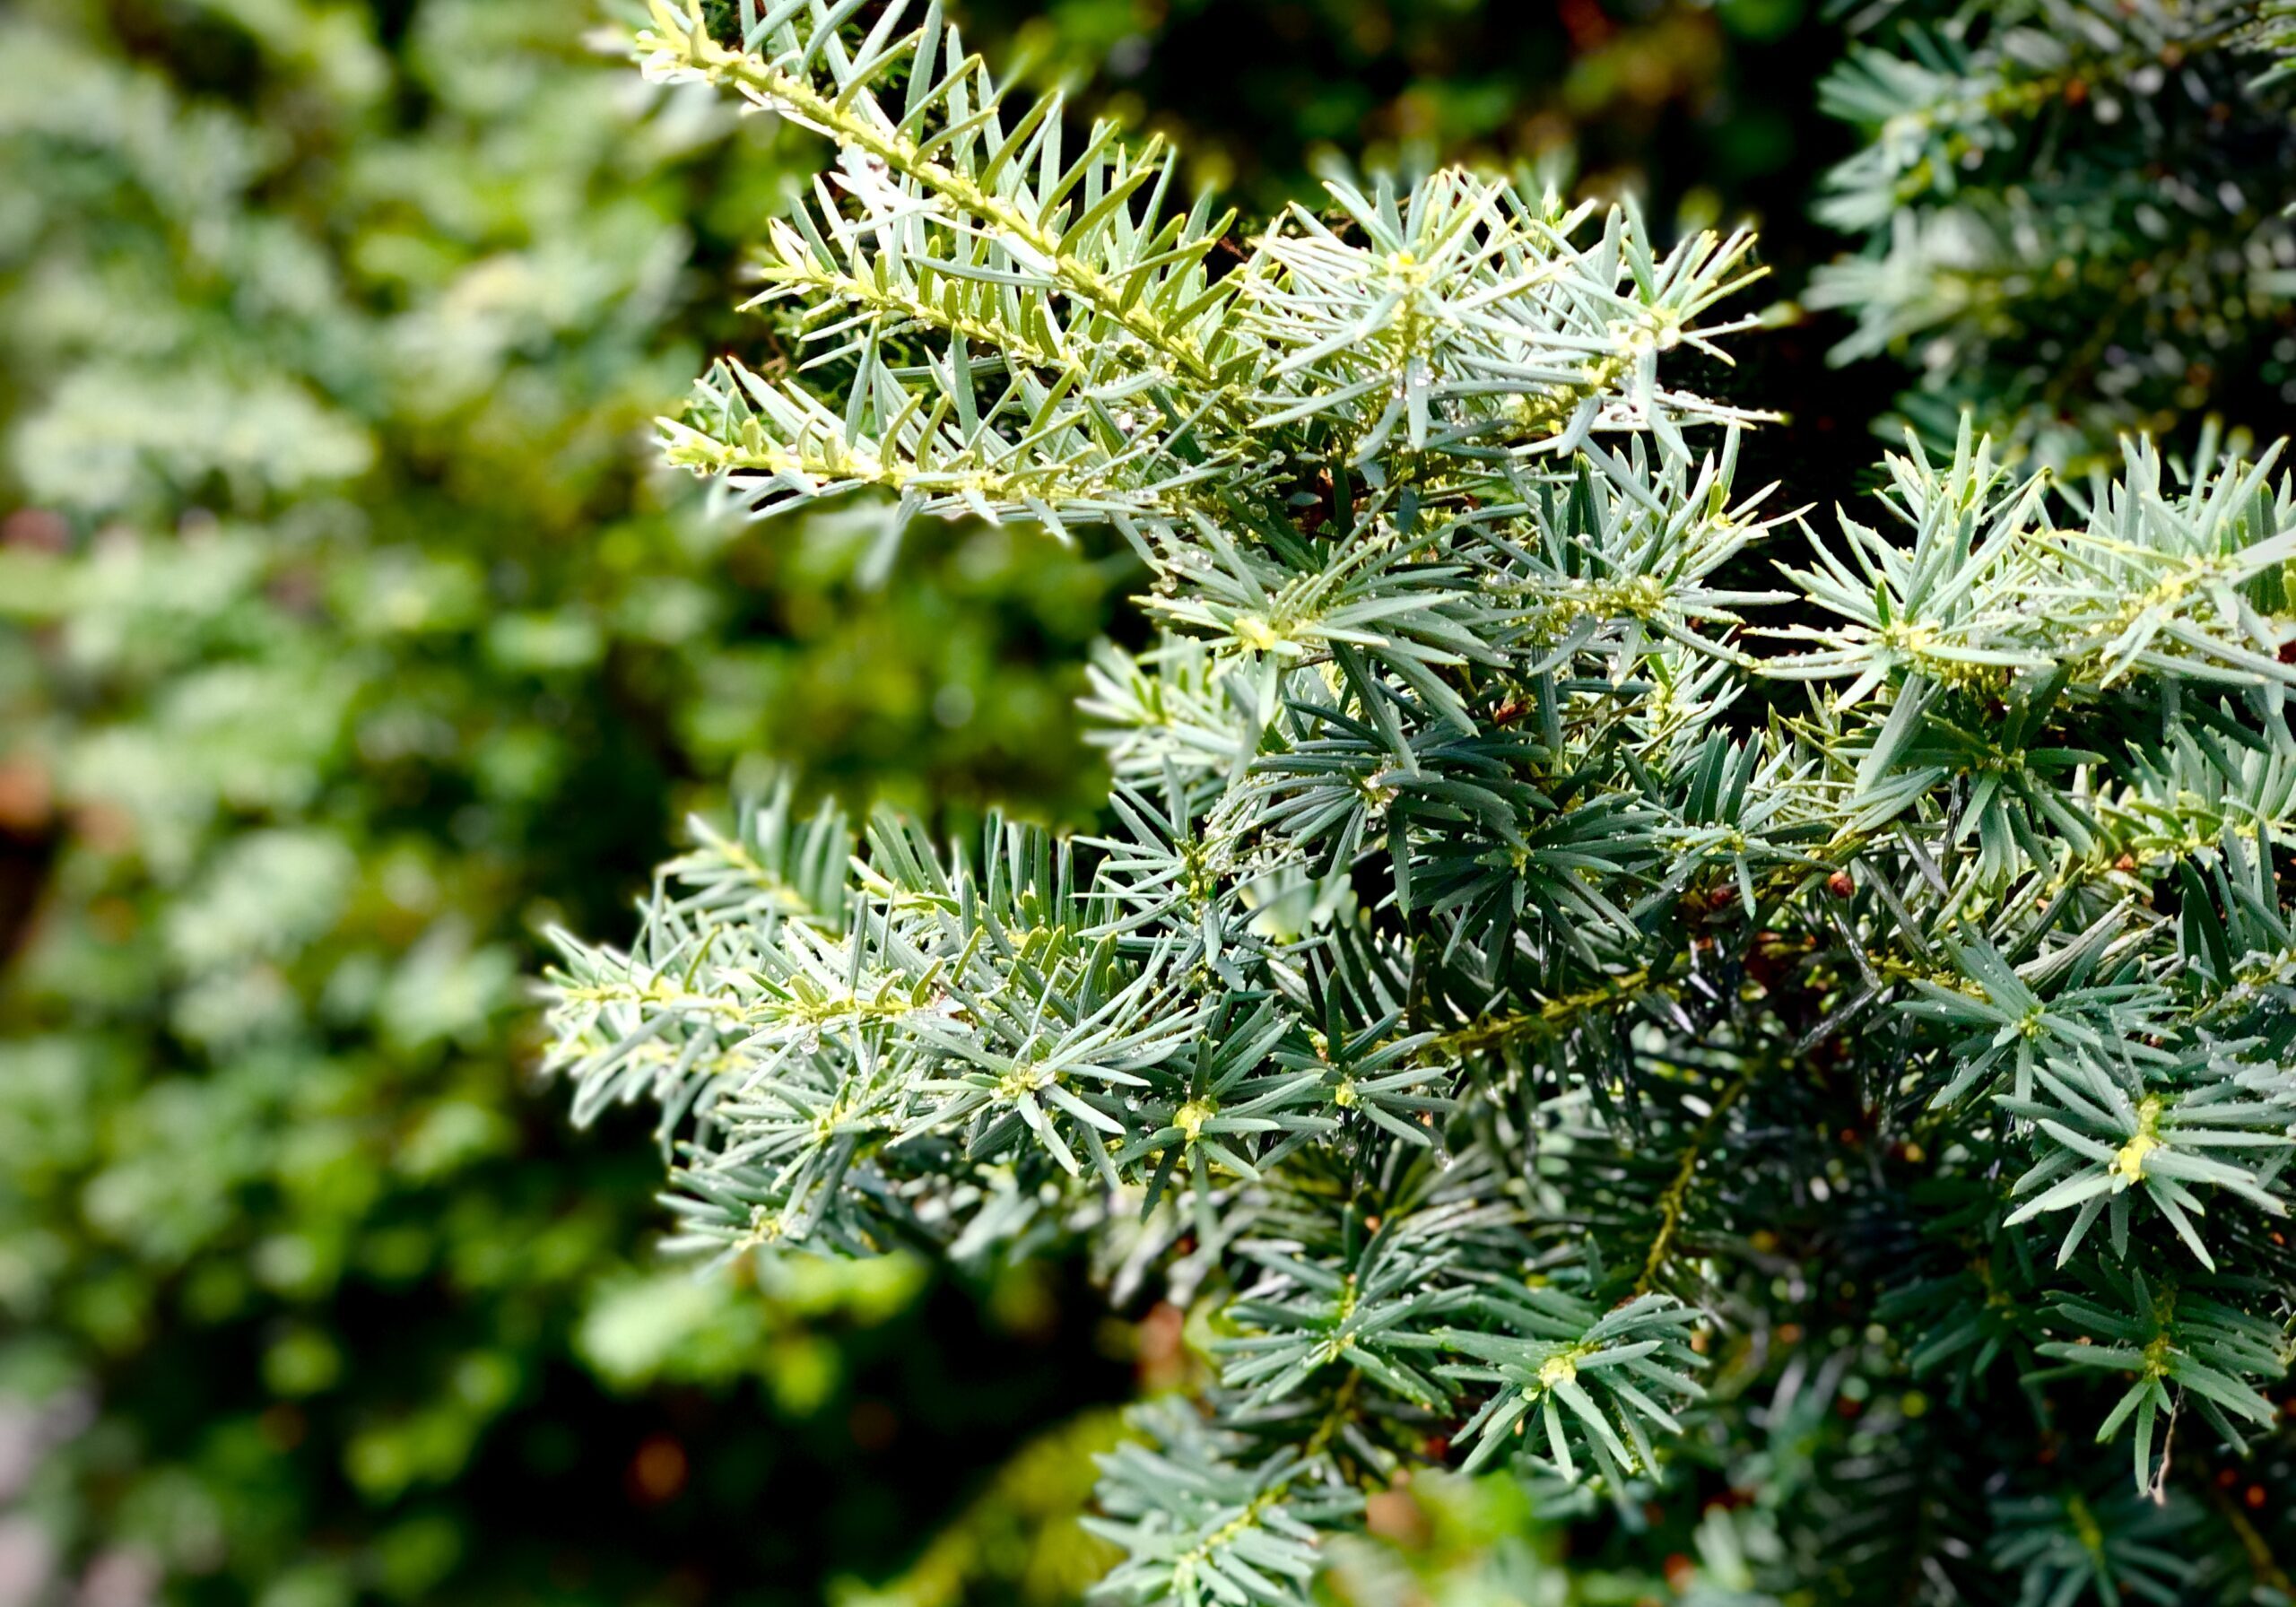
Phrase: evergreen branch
(809, 78)
(1459, 842)
(1674, 1200)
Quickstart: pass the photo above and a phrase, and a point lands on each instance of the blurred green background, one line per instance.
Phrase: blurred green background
(348, 638)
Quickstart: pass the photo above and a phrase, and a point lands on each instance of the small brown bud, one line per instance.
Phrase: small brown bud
(1841, 885)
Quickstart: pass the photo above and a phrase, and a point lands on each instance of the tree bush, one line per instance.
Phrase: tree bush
(1791, 1056)
(346, 637)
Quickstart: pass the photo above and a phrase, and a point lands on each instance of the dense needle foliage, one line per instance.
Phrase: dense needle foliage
(1554, 991)
(2075, 215)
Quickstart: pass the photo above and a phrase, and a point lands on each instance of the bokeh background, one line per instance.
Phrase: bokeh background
(348, 639)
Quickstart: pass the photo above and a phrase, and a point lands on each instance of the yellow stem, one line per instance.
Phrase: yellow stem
(1671, 1204)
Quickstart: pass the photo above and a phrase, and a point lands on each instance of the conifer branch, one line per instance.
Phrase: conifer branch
(1469, 826)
